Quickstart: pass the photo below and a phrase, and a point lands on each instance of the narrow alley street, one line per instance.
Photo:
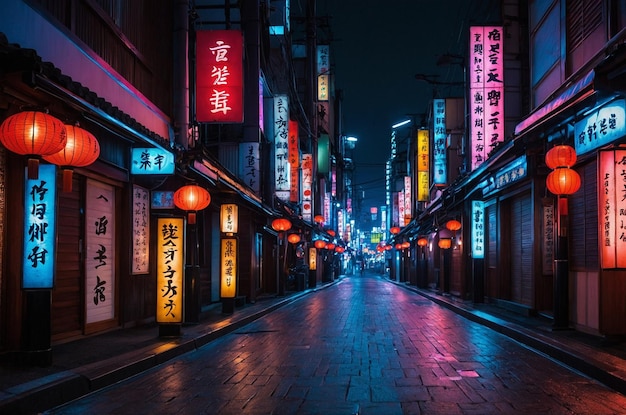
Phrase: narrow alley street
(364, 346)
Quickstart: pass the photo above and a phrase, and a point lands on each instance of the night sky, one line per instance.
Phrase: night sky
(377, 47)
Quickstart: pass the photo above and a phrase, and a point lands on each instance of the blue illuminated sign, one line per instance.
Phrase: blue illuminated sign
(603, 126)
(478, 229)
(39, 229)
(151, 161)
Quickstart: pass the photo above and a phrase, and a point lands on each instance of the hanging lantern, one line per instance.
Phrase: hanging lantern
(320, 244)
(388, 247)
(33, 134)
(398, 246)
(340, 249)
(406, 244)
(563, 181)
(380, 248)
(453, 225)
(319, 219)
(445, 243)
(192, 198)
(330, 246)
(422, 242)
(81, 149)
(394, 230)
(293, 238)
(331, 232)
(561, 156)
(281, 224)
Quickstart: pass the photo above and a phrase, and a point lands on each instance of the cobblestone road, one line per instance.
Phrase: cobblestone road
(363, 345)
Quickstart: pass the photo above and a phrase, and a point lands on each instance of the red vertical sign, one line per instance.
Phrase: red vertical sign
(294, 160)
(219, 79)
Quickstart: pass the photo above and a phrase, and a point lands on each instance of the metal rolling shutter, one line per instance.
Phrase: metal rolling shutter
(522, 287)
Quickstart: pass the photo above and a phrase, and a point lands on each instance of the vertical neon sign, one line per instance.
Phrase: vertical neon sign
(39, 229)
(170, 255)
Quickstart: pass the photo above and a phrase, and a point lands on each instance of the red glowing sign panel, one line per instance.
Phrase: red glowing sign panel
(219, 82)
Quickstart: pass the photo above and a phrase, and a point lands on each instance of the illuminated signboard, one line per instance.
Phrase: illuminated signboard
(323, 66)
(601, 127)
(229, 218)
(141, 230)
(486, 81)
(219, 82)
(612, 208)
(312, 259)
(228, 268)
(39, 229)
(307, 186)
(439, 142)
(407, 200)
(294, 161)
(282, 174)
(250, 165)
(401, 206)
(170, 270)
(423, 166)
(478, 229)
(162, 199)
(547, 261)
(151, 161)
(322, 87)
(100, 252)
(512, 172)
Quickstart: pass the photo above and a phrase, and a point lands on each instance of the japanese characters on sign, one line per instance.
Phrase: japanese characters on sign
(307, 187)
(486, 81)
(219, 83)
(228, 268)
(141, 230)
(323, 66)
(250, 165)
(612, 208)
(151, 161)
(312, 258)
(408, 214)
(294, 161)
(401, 207)
(548, 239)
(229, 218)
(478, 229)
(170, 270)
(439, 141)
(601, 127)
(423, 166)
(512, 172)
(282, 174)
(39, 229)
(100, 257)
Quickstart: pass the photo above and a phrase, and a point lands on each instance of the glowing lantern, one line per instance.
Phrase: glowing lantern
(394, 230)
(293, 238)
(319, 219)
(33, 134)
(453, 225)
(340, 249)
(281, 225)
(422, 242)
(81, 149)
(380, 248)
(405, 244)
(563, 181)
(331, 232)
(388, 247)
(561, 156)
(398, 246)
(320, 244)
(445, 243)
(330, 246)
(192, 198)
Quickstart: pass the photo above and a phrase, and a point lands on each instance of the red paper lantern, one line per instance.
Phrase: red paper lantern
(192, 198)
(398, 246)
(81, 149)
(330, 246)
(453, 225)
(388, 247)
(563, 181)
(293, 238)
(340, 249)
(445, 243)
(281, 224)
(405, 244)
(422, 242)
(320, 244)
(331, 232)
(394, 230)
(561, 156)
(319, 219)
(34, 134)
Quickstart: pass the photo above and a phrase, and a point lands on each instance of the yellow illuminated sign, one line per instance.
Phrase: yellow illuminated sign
(228, 268)
(423, 166)
(312, 259)
(170, 271)
(229, 218)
